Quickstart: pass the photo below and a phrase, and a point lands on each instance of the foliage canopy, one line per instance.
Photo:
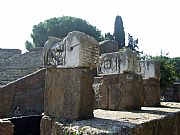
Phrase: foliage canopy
(60, 27)
(168, 71)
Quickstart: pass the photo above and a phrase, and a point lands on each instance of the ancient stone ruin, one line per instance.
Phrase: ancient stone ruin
(150, 70)
(108, 46)
(87, 89)
(76, 50)
(70, 77)
(14, 64)
(119, 86)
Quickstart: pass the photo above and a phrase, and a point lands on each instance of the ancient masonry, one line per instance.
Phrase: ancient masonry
(69, 94)
(119, 86)
(79, 82)
(69, 77)
(27, 93)
(14, 65)
(150, 70)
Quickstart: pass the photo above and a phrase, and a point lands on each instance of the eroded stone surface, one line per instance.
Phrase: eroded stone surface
(151, 92)
(76, 50)
(164, 120)
(69, 93)
(108, 46)
(26, 93)
(14, 65)
(118, 62)
(119, 92)
(150, 69)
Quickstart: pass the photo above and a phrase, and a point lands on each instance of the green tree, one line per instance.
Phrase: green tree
(60, 27)
(28, 45)
(167, 70)
(132, 44)
(176, 61)
(119, 34)
(108, 36)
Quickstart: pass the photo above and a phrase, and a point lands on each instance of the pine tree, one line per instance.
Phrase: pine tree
(119, 34)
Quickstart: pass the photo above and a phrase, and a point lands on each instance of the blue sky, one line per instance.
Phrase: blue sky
(156, 23)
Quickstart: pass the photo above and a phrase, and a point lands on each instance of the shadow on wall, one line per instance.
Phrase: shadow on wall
(26, 94)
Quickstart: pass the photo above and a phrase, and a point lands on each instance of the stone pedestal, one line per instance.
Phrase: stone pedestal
(69, 93)
(151, 92)
(120, 91)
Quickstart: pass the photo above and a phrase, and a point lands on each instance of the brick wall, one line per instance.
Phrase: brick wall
(26, 92)
(14, 65)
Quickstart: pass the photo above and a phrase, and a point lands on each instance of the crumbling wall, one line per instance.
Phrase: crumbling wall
(172, 93)
(26, 93)
(14, 65)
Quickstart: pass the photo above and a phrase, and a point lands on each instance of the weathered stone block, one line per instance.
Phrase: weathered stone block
(118, 62)
(108, 46)
(150, 69)
(69, 93)
(120, 92)
(76, 50)
(151, 92)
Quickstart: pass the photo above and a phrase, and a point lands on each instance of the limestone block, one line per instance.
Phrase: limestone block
(76, 50)
(118, 62)
(69, 93)
(151, 92)
(149, 69)
(121, 92)
(108, 46)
